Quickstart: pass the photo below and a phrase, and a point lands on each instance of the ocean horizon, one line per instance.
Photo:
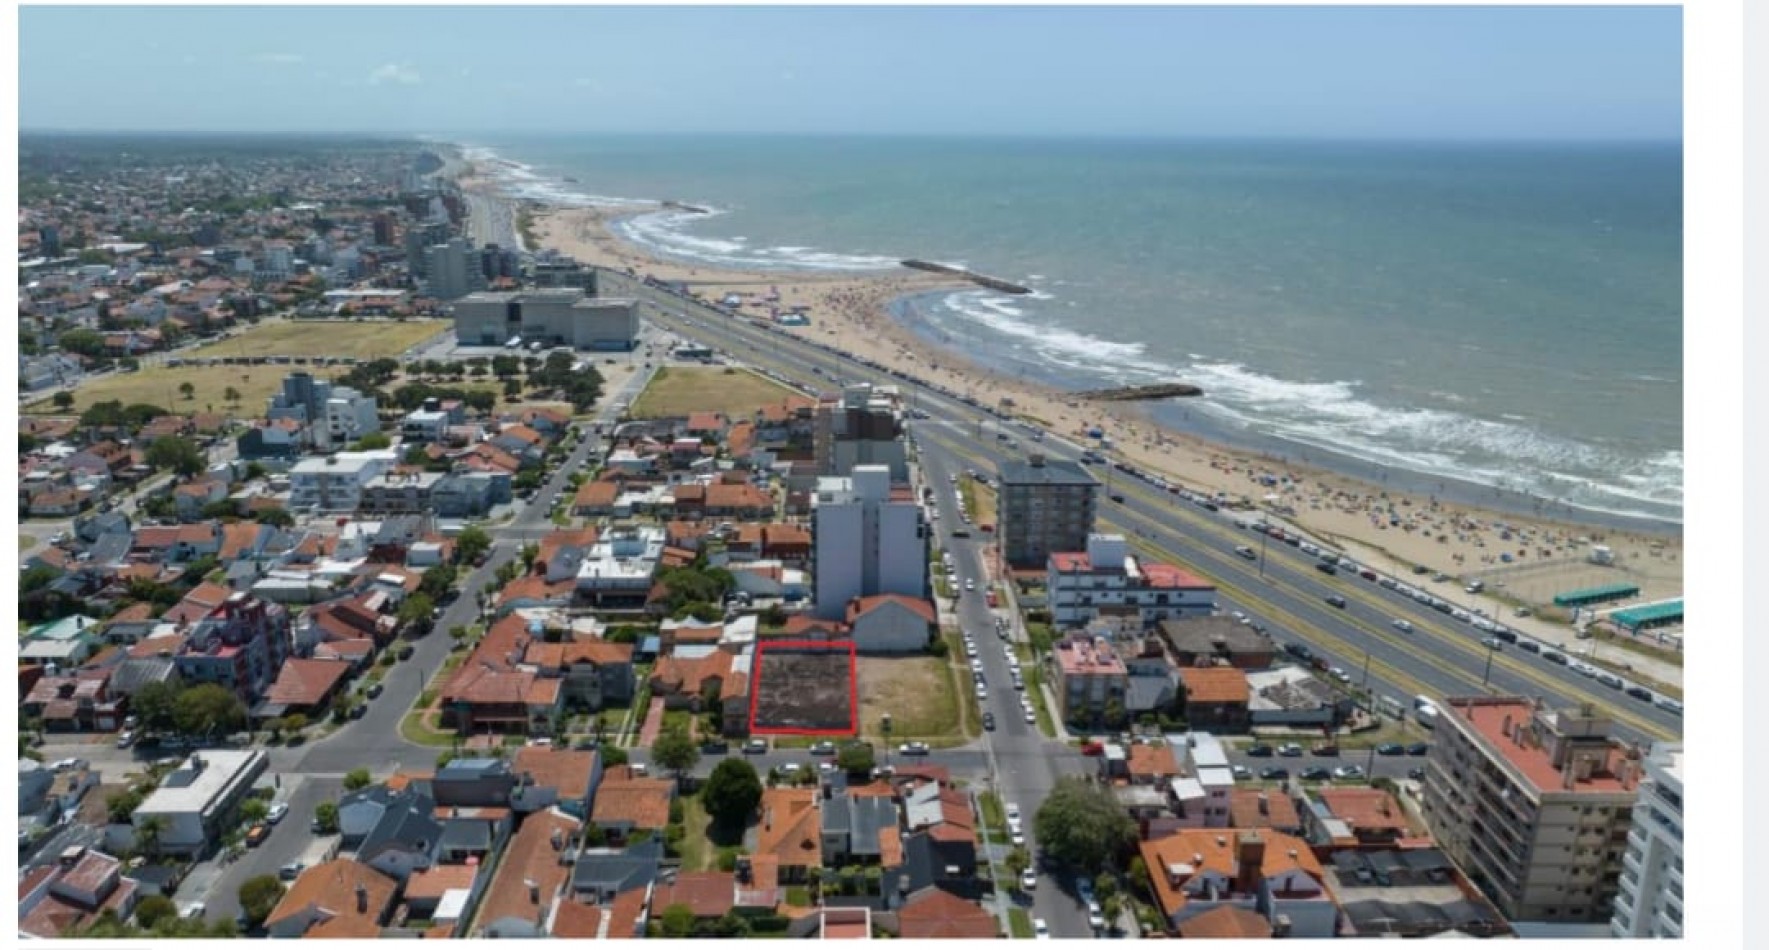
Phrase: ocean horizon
(1502, 317)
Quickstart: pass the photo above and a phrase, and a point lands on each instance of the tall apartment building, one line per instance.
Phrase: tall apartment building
(864, 542)
(336, 482)
(859, 427)
(419, 239)
(338, 415)
(1045, 507)
(1651, 900)
(1534, 804)
(456, 269)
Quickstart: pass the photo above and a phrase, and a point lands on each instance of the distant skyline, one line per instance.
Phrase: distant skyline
(1421, 73)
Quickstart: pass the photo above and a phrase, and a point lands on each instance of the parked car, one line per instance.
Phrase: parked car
(1040, 929)
(913, 748)
(755, 747)
(374, 690)
(256, 834)
(1326, 749)
(1028, 880)
(1416, 774)
(290, 871)
(1391, 748)
(989, 722)
(1349, 772)
(277, 813)
(1316, 773)
(1260, 751)
(1274, 773)
(1419, 748)
(823, 748)
(1289, 750)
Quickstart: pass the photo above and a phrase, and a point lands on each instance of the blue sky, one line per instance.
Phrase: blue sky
(1417, 73)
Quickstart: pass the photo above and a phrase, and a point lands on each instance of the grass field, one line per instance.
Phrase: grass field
(158, 385)
(677, 391)
(364, 340)
(918, 693)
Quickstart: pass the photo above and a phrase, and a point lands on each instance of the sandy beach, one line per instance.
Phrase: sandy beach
(1379, 525)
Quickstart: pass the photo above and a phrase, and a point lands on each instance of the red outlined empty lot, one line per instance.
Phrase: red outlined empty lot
(805, 688)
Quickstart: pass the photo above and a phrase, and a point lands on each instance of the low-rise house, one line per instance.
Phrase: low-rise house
(54, 899)
(1215, 698)
(890, 623)
(307, 687)
(935, 914)
(625, 803)
(1217, 640)
(406, 838)
(1272, 874)
(1353, 817)
(595, 672)
(338, 899)
(201, 797)
(1263, 808)
(549, 777)
(790, 833)
(708, 895)
(531, 879)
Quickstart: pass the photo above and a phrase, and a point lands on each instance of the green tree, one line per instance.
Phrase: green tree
(231, 396)
(437, 581)
(63, 400)
(326, 813)
(84, 342)
(416, 455)
(1083, 825)
(254, 810)
(373, 441)
(153, 909)
(472, 543)
(678, 921)
(121, 805)
(416, 613)
(675, 751)
(357, 778)
(855, 758)
(1018, 860)
(208, 709)
(148, 834)
(275, 517)
(156, 705)
(294, 722)
(176, 453)
(732, 793)
(187, 390)
(259, 896)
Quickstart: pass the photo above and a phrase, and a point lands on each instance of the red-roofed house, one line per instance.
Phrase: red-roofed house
(530, 878)
(935, 914)
(302, 686)
(72, 893)
(709, 895)
(890, 623)
(1198, 870)
(1216, 698)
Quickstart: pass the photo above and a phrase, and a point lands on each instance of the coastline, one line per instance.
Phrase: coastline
(1459, 528)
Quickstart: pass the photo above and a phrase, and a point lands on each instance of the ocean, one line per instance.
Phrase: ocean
(1483, 318)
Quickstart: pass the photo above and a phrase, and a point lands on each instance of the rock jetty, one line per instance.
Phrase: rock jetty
(993, 283)
(1142, 393)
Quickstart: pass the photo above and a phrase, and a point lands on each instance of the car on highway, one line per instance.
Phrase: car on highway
(1391, 748)
(277, 812)
(1028, 880)
(1326, 568)
(1402, 625)
(1118, 498)
(1247, 553)
(1260, 751)
(1335, 600)
(913, 748)
(1316, 773)
(1274, 773)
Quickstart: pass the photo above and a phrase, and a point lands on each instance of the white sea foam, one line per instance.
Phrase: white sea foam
(666, 233)
(1058, 345)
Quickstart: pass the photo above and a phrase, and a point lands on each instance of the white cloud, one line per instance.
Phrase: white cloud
(400, 73)
(281, 59)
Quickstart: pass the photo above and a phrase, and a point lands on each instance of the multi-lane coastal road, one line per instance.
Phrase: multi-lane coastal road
(1282, 590)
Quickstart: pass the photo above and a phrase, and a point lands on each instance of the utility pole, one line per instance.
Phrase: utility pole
(1262, 538)
(1490, 650)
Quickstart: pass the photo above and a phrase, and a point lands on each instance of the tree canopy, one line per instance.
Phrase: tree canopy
(208, 709)
(259, 896)
(732, 793)
(176, 453)
(1083, 825)
(675, 751)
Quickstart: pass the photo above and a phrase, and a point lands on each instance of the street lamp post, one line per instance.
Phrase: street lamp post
(1490, 650)
(1262, 538)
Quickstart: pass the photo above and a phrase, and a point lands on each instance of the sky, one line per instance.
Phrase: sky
(1356, 73)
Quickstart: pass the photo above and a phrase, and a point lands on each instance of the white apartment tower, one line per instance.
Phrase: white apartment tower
(1650, 903)
(864, 543)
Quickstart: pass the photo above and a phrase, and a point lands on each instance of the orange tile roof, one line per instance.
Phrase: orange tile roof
(529, 858)
(1153, 761)
(536, 587)
(574, 920)
(565, 770)
(1214, 684)
(1365, 809)
(862, 605)
(551, 656)
(738, 497)
(551, 542)
(707, 894)
(306, 682)
(330, 889)
(935, 914)
(1247, 811)
(596, 495)
(642, 803)
(705, 421)
(790, 828)
(1226, 923)
(1173, 861)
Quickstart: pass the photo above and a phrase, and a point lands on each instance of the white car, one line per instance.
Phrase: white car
(1013, 812)
(1028, 880)
(277, 812)
(982, 692)
(970, 584)
(1040, 929)
(1018, 838)
(1096, 918)
(1031, 718)
(1403, 626)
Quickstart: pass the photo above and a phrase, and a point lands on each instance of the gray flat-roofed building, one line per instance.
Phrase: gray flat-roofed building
(1045, 507)
(560, 316)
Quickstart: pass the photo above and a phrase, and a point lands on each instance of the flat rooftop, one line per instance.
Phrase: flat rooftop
(189, 789)
(1489, 719)
(1049, 472)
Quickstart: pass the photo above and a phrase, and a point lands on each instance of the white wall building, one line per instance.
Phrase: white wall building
(561, 316)
(349, 415)
(863, 543)
(1108, 580)
(335, 482)
(195, 800)
(621, 564)
(1650, 903)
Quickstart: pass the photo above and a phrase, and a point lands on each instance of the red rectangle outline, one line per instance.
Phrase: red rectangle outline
(824, 646)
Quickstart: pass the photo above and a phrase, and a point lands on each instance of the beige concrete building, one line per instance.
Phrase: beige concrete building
(1534, 804)
(1045, 507)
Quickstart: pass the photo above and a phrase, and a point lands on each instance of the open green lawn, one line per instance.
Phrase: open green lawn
(364, 339)
(159, 386)
(1020, 923)
(26, 542)
(677, 391)
(698, 853)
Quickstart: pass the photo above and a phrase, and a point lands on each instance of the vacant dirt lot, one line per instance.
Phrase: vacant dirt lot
(917, 691)
(803, 690)
(677, 391)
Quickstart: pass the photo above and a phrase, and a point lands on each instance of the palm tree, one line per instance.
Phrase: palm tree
(147, 834)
